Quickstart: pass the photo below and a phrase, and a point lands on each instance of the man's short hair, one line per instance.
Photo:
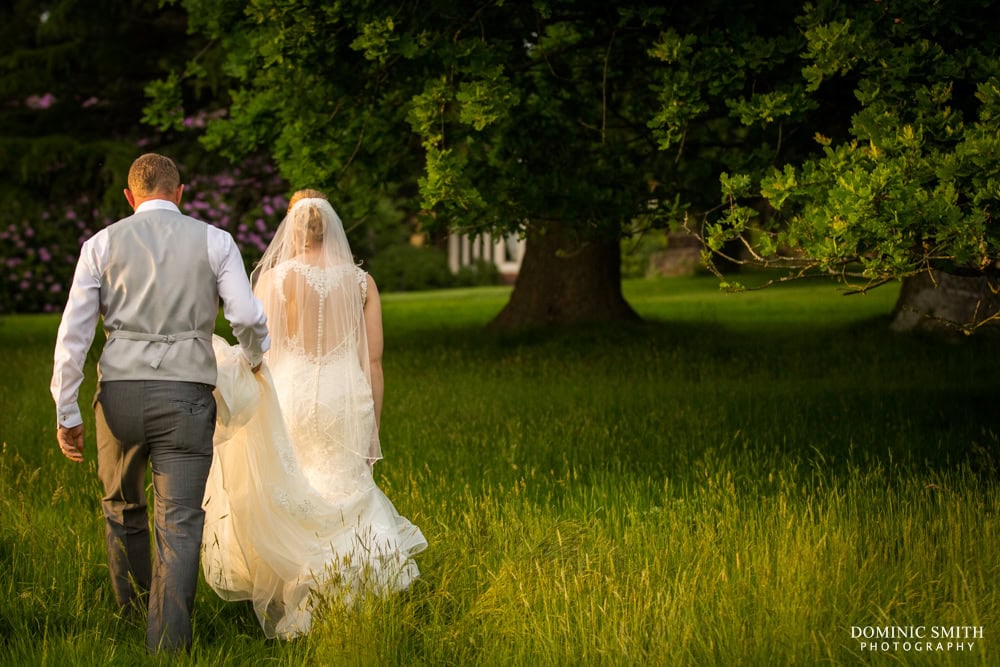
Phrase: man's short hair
(153, 174)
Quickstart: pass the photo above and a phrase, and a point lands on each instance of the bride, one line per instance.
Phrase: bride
(293, 515)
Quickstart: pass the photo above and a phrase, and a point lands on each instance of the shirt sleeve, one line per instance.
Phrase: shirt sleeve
(239, 306)
(76, 332)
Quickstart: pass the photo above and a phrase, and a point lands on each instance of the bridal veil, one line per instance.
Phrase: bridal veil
(292, 513)
(313, 293)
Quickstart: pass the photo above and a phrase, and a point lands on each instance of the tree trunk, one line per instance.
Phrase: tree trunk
(565, 280)
(945, 303)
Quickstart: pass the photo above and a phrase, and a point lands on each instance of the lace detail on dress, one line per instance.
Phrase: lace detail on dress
(363, 282)
(302, 508)
(321, 279)
(319, 359)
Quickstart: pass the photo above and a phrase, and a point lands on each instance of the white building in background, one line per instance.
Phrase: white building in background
(506, 252)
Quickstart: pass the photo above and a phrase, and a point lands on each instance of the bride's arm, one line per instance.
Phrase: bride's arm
(373, 329)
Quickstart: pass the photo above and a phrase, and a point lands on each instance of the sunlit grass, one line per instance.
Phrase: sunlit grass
(737, 480)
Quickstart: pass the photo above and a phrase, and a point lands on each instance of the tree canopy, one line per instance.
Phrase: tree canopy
(500, 112)
(529, 117)
(901, 101)
(854, 139)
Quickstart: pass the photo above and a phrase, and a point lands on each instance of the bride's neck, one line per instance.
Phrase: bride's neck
(310, 255)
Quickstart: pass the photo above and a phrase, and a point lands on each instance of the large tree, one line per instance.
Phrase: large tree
(902, 101)
(524, 117)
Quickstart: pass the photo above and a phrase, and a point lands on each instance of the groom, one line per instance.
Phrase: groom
(156, 279)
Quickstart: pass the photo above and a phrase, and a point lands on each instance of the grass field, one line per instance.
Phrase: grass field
(741, 479)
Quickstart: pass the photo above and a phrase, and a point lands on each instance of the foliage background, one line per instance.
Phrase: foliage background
(73, 78)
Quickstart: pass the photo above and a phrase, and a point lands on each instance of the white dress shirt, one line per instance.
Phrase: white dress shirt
(79, 321)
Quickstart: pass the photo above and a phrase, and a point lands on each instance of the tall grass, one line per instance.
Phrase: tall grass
(740, 479)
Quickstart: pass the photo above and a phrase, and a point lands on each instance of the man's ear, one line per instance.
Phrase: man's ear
(130, 197)
(178, 194)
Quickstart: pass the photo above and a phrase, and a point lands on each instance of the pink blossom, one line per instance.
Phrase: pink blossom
(39, 102)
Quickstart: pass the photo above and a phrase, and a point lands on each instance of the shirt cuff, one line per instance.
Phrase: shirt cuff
(69, 416)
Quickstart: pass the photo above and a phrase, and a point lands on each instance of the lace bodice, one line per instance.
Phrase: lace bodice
(316, 311)
(323, 279)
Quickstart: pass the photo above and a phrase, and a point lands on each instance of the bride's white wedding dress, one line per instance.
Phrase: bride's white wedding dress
(293, 515)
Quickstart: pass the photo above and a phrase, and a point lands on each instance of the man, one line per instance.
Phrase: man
(156, 279)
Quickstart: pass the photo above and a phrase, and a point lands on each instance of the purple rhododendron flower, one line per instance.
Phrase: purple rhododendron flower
(39, 102)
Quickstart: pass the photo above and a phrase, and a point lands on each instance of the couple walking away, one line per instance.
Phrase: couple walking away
(264, 469)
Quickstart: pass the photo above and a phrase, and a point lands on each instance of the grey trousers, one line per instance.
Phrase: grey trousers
(169, 425)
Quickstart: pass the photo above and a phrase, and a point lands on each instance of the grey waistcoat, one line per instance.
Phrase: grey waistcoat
(159, 300)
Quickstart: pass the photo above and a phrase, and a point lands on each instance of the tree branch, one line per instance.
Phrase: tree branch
(604, 90)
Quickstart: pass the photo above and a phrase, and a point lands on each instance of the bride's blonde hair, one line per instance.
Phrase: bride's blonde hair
(313, 226)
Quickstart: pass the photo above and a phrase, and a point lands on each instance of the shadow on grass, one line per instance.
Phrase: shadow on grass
(656, 397)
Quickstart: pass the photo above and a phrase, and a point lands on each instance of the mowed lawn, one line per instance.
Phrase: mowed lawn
(756, 478)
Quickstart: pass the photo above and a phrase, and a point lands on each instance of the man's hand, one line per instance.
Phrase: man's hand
(71, 442)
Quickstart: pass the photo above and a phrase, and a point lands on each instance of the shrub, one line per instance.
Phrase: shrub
(637, 251)
(39, 245)
(405, 267)
(478, 274)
